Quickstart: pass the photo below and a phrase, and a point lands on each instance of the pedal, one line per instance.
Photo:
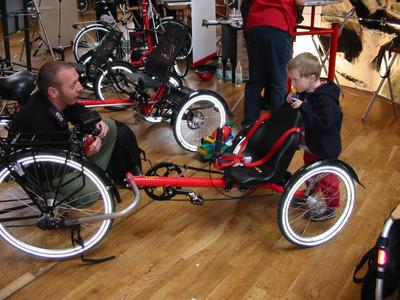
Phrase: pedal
(195, 198)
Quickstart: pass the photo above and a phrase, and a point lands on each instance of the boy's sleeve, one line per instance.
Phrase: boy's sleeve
(323, 116)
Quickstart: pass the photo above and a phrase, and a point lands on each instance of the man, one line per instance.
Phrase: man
(269, 28)
(54, 105)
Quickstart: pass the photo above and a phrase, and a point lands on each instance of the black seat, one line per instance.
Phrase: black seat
(163, 57)
(160, 61)
(17, 86)
(261, 143)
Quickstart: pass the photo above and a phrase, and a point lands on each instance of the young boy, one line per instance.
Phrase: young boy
(318, 102)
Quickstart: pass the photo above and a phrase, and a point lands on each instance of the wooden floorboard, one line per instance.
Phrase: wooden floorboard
(225, 249)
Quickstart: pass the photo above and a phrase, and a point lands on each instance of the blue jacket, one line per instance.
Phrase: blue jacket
(322, 118)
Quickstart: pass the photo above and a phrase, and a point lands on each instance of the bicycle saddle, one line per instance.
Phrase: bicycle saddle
(17, 86)
(147, 81)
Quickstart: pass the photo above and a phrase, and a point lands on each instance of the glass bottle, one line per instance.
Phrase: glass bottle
(220, 70)
(228, 71)
(238, 73)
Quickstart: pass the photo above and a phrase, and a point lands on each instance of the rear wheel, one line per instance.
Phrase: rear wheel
(197, 117)
(114, 83)
(87, 39)
(325, 186)
(38, 192)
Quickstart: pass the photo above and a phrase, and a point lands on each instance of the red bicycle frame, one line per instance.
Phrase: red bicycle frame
(147, 31)
(145, 109)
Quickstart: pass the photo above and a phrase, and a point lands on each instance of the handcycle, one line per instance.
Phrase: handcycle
(158, 96)
(138, 42)
(260, 156)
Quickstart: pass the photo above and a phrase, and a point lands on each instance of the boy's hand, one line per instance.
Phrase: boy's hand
(296, 103)
(293, 101)
(289, 98)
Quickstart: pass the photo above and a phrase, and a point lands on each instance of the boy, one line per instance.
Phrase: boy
(318, 102)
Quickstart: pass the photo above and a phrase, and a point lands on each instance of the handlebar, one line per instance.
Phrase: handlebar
(235, 23)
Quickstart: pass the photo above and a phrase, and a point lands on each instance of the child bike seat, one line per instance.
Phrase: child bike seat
(266, 151)
(17, 86)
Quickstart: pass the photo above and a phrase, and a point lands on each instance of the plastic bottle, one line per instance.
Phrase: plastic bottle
(238, 73)
(220, 70)
(294, 93)
(228, 71)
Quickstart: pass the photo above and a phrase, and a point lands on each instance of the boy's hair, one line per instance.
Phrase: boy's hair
(306, 63)
(47, 76)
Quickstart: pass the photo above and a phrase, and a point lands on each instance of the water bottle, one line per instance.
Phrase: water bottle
(220, 70)
(294, 93)
(228, 71)
(238, 74)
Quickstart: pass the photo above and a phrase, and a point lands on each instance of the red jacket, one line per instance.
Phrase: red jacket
(280, 14)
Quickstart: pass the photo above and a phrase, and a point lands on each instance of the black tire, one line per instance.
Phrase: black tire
(198, 116)
(82, 6)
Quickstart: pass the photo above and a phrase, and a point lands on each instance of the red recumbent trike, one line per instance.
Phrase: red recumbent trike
(258, 158)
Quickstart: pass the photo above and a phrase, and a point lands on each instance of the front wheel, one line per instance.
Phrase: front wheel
(316, 204)
(38, 191)
(197, 117)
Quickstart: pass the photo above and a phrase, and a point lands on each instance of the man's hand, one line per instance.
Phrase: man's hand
(93, 148)
(103, 129)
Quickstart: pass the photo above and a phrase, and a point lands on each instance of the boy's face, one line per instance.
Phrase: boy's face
(301, 83)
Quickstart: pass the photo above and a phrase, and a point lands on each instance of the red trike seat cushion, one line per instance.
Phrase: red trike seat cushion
(276, 139)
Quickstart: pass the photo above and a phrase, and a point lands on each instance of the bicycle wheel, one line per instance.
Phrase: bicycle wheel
(88, 38)
(322, 182)
(39, 191)
(114, 83)
(181, 66)
(82, 6)
(197, 117)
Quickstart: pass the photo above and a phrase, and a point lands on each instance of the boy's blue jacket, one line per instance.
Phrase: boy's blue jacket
(322, 118)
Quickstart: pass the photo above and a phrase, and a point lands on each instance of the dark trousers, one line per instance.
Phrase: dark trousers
(269, 50)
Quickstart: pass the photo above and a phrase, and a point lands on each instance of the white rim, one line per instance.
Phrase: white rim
(103, 74)
(79, 36)
(218, 104)
(341, 221)
(60, 253)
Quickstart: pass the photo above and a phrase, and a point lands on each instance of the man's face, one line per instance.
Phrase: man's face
(69, 89)
(301, 83)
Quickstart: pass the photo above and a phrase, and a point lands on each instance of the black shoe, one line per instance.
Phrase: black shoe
(137, 171)
(327, 214)
(299, 201)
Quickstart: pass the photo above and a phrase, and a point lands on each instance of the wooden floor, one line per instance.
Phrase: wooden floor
(225, 249)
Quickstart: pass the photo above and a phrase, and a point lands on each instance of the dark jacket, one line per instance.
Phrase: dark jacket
(322, 117)
(39, 115)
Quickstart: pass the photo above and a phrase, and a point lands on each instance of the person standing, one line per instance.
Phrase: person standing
(269, 27)
(317, 100)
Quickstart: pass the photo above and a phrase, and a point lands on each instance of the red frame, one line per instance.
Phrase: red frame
(147, 181)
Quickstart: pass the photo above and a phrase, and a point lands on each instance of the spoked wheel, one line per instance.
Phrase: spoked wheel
(317, 216)
(181, 66)
(173, 81)
(182, 61)
(163, 169)
(38, 192)
(87, 39)
(82, 6)
(115, 83)
(197, 117)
